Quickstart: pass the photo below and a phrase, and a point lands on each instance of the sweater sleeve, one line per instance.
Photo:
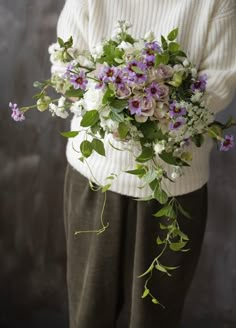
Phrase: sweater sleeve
(73, 21)
(219, 59)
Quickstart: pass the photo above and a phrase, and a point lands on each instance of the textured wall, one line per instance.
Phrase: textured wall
(32, 163)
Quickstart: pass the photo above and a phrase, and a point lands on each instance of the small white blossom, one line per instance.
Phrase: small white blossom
(149, 36)
(159, 147)
(59, 110)
(97, 51)
(125, 45)
(77, 107)
(196, 97)
(186, 62)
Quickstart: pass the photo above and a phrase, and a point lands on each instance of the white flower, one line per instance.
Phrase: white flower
(196, 97)
(178, 171)
(59, 110)
(125, 45)
(159, 147)
(97, 51)
(53, 48)
(186, 62)
(194, 72)
(93, 97)
(78, 107)
(149, 36)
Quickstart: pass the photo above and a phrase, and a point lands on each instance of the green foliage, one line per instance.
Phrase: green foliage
(162, 59)
(86, 148)
(160, 195)
(123, 130)
(69, 134)
(146, 155)
(74, 93)
(173, 35)
(118, 105)
(90, 118)
(110, 52)
(109, 96)
(177, 246)
(167, 211)
(98, 146)
(198, 139)
(171, 159)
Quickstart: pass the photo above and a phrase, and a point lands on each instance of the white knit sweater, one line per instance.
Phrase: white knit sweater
(207, 32)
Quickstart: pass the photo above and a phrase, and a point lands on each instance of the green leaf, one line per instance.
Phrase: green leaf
(184, 212)
(161, 195)
(173, 35)
(151, 131)
(163, 227)
(106, 187)
(214, 131)
(164, 43)
(140, 172)
(181, 234)
(108, 96)
(118, 105)
(137, 70)
(169, 158)
(86, 148)
(146, 155)
(171, 268)
(147, 271)
(162, 59)
(98, 146)
(155, 301)
(90, 118)
(180, 53)
(69, 134)
(117, 117)
(145, 293)
(177, 246)
(123, 130)
(167, 210)
(161, 268)
(61, 42)
(149, 176)
(173, 46)
(74, 93)
(159, 241)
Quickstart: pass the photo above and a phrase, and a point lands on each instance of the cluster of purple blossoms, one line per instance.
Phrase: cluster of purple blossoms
(17, 115)
(227, 143)
(176, 113)
(149, 52)
(135, 106)
(200, 84)
(79, 80)
(136, 72)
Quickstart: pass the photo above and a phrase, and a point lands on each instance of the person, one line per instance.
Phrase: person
(102, 271)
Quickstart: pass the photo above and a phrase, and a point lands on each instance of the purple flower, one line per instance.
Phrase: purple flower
(153, 90)
(136, 77)
(68, 72)
(176, 111)
(151, 48)
(200, 84)
(79, 81)
(227, 143)
(177, 123)
(107, 74)
(17, 115)
(135, 106)
(119, 78)
(156, 90)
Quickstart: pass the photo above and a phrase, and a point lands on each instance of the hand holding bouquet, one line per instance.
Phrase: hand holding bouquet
(148, 95)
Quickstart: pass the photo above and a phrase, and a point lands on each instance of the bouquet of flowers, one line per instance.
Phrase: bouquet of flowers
(151, 98)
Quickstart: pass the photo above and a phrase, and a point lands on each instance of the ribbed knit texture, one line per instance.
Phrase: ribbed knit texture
(207, 32)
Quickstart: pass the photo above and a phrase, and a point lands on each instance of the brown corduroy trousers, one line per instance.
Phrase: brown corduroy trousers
(102, 270)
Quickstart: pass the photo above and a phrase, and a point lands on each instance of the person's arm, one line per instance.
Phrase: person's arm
(219, 60)
(73, 21)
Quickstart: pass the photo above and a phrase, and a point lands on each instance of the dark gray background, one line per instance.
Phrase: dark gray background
(32, 164)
